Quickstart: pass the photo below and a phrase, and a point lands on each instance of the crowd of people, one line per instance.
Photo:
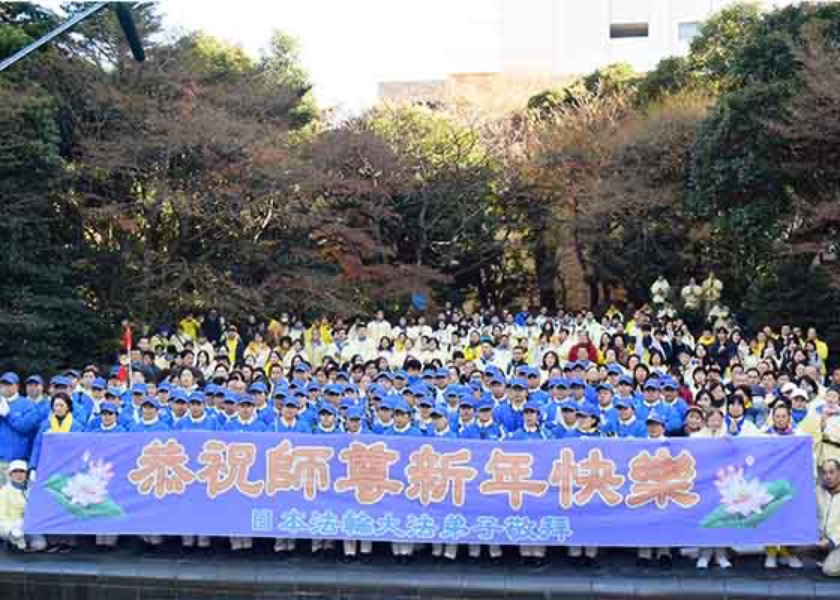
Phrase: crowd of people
(491, 375)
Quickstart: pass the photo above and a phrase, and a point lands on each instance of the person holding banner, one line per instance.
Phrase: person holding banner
(828, 503)
(656, 423)
(18, 423)
(781, 424)
(12, 507)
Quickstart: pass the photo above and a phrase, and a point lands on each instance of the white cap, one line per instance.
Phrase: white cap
(789, 388)
(18, 465)
(799, 393)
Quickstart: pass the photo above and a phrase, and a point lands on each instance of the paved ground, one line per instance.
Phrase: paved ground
(132, 573)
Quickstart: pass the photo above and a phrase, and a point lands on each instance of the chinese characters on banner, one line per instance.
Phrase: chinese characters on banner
(582, 492)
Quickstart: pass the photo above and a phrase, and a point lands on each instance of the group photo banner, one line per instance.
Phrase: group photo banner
(599, 492)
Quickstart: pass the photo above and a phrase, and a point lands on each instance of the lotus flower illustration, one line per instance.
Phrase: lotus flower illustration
(745, 503)
(85, 493)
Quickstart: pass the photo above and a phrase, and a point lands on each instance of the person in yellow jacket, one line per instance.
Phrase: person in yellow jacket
(828, 504)
(12, 507)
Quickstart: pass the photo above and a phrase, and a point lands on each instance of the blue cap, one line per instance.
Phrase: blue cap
(387, 402)
(301, 367)
(532, 405)
(10, 378)
(668, 383)
(314, 387)
(376, 393)
(334, 389)
(355, 412)
(604, 386)
(299, 393)
(179, 395)
(164, 387)
(229, 396)
(530, 372)
(558, 382)
(576, 382)
(571, 365)
(139, 388)
(328, 408)
(342, 375)
(258, 387)
(401, 375)
(589, 410)
(245, 399)
(475, 385)
(466, 400)
(220, 390)
(620, 402)
(442, 372)
(584, 364)
(440, 409)
(72, 373)
(485, 403)
(196, 397)
(428, 374)
(402, 406)
(453, 389)
(425, 401)
(35, 379)
(210, 389)
(614, 369)
(651, 384)
(518, 382)
(280, 391)
(347, 403)
(626, 380)
(98, 384)
(150, 400)
(114, 372)
(110, 407)
(291, 401)
(61, 380)
(113, 392)
(569, 404)
(383, 375)
(497, 378)
(655, 416)
(419, 390)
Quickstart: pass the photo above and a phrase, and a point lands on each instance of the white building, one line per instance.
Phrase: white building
(578, 36)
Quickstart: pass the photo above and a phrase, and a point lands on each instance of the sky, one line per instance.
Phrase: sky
(349, 46)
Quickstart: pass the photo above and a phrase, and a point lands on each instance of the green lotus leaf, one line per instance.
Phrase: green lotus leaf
(107, 508)
(780, 490)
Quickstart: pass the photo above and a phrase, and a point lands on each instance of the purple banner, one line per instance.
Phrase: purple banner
(682, 492)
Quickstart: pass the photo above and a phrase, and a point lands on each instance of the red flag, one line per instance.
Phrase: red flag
(127, 338)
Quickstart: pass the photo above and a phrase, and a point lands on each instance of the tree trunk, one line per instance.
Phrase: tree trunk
(570, 281)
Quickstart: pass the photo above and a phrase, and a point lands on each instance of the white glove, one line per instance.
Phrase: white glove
(16, 532)
(4, 407)
(32, 476)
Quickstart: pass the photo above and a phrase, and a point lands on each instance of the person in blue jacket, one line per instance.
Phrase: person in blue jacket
(229, 411)
(425, 422)
(198, 418)
(149, 418)
(327, 420)
(670, 397)
(178, 409)
(107, 420)
(627, 425)
(402, 421)
(287, 421)
(607, 411)
(441, 427)
(531, 428)
(34, 387)
(589, 417)
(485, 427)
(509, 412)
(466, 416)
(19, 422)
(567, 428)
(355, 423)
(558, 390)
(245, 420)
(383, 420)
(651, 401)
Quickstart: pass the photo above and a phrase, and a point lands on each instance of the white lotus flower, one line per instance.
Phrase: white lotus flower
(739, 495)
(85, 489)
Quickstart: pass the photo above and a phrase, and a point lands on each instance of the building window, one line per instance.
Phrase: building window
(628, 30)
(688, 31)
